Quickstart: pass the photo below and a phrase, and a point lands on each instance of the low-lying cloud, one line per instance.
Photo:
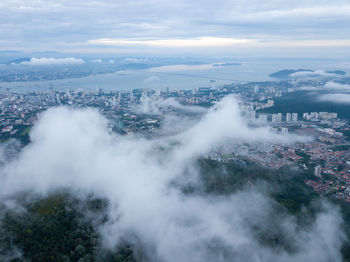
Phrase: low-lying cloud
(206, 41)
(329, 86)
(312, 74)
(44, 61)
(338, 98)
(99, 60)
(337, 86)
(151, 79)
(75, 149)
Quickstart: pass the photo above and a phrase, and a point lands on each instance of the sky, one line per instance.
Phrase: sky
(274, 27)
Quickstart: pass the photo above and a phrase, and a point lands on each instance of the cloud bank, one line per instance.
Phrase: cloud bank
(329, 86)
(336, 86)
(311, 74)
(277, 23)
(44, 61)
(75, 149)
(206, 41)
(338, 98)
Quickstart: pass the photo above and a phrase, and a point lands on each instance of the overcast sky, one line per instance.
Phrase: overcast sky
(284, 27)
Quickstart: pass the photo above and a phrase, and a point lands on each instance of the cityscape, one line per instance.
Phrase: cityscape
(174, 131)
(327, 156)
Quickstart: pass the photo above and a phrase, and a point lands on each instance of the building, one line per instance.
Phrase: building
(263, 118)
(284, 131)
(279, 117)
(326, 115)
(295, 117)
(274, 118)
(213, 82)
(273, 130)
(288, 117)
(256, 89)
(314, 115)
(318, 171)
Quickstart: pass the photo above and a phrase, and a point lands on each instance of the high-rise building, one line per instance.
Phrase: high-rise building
(295, 117)
(250, 114)
(263, 118)
(279, 117)
(314, 115)
(213, 82)
(288, 117)
(318, 171)
(273, 130)
(284, 131)
(256, 89)
(274, 118)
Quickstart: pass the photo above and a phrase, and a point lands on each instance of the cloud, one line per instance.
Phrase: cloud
(329, 86)
(171, 68)
(99, 60)
(206, 41)
(211, 41)
(156, 107)
(151, 79)
(338, 98)
(75, 149)
(135, 60)
(53, 61)
(63, 25)
(317, 73)
(222, 124)
(336, 86)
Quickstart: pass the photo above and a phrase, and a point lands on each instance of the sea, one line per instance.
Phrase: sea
(179, 77)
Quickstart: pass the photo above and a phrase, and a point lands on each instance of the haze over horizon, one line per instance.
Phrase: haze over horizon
(309, 29)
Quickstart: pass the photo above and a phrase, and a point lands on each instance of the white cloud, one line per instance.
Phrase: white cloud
(171, 68)
(151, 79)
(74, 149)
(135, 60)
(329, 86)
(206, 41)
(53, 61)
(335, 98)
(154, 107)
(62, 25)
(99, 60)
(336, 86)
(317, 73)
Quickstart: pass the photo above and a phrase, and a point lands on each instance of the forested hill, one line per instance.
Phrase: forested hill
(57, 227)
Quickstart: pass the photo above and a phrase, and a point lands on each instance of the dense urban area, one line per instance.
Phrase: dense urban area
(326, 156)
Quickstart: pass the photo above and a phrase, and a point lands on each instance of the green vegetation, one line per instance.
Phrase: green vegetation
(285, 186)
(283, 74)
(346, 134)
(341, 148)
(22, 134)
(56, 229)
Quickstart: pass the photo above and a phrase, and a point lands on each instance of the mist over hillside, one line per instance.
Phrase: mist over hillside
(79, 192)
(174, 131)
